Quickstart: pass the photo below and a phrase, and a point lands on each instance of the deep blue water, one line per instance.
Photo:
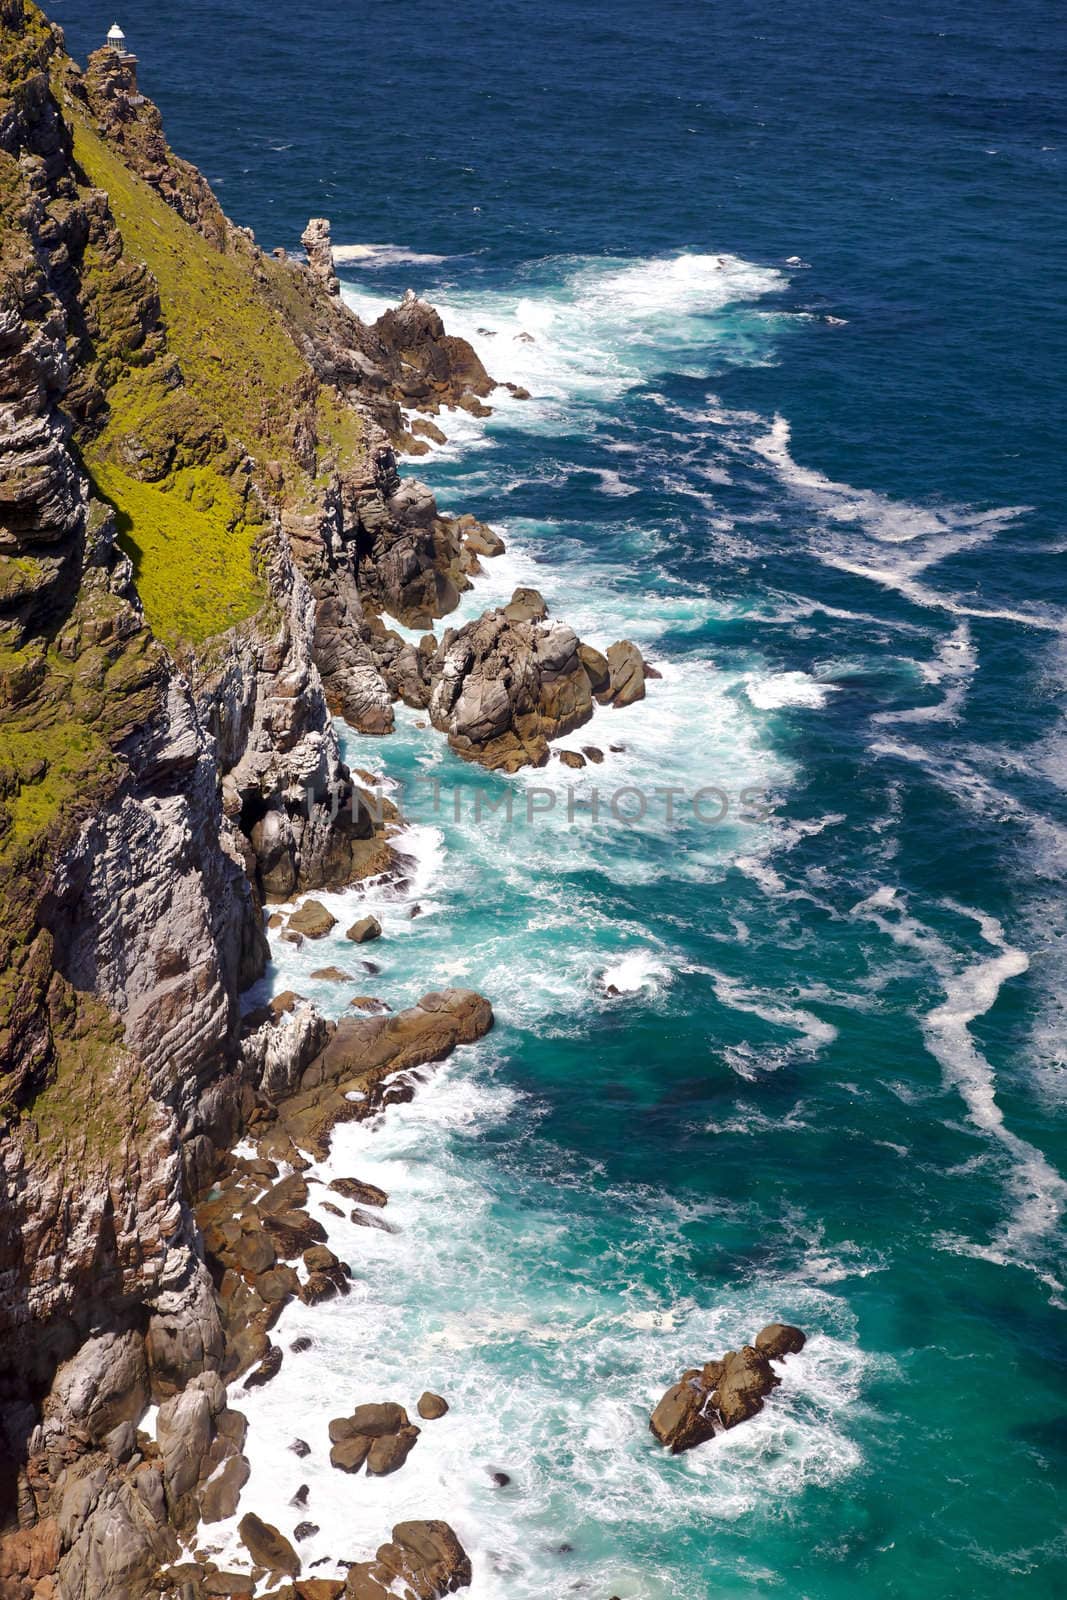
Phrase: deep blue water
(825, 496)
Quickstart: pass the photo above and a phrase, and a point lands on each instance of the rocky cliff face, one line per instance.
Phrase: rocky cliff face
(202, 536)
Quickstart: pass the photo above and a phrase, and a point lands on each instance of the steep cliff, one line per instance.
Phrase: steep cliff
(202, 537)
(189, 509)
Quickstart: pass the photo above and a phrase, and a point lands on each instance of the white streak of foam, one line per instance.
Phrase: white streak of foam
(1040, 1193)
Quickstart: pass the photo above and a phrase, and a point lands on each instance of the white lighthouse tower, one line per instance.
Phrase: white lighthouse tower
(116, 41)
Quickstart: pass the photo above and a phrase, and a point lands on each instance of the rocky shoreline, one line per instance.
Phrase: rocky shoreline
(170, 774)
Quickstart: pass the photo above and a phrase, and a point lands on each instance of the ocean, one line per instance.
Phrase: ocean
(782, 284)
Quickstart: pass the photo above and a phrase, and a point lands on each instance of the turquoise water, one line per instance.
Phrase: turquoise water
(824, 496)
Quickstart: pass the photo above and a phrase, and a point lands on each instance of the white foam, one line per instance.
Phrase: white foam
(550, 1371)
(773, 691)
(639, 969)
(377, 256)
(594, 327)
(970, 990)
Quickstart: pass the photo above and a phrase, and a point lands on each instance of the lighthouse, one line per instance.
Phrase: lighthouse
(116, 41)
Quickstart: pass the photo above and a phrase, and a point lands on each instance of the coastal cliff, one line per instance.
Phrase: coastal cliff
(201, 531)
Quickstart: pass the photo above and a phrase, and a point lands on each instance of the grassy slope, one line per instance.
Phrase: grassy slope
(191, 530)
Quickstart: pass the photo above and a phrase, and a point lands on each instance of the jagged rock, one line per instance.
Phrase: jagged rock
(684, 1417)
(571, 758)
(268, 1368)
(316, 241)
(526, 605)
(424, 1556)
(267, 1546)
(221, 1493)
(431, 1406)
(364, 930)
(104, 1384)
(183, 1433)
(367, 1194)
(312, 920)
(722, 1394)
(502, 689)
(741, 1381)
(627, 669)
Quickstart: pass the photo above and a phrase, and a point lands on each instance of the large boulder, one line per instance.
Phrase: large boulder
(372, 1421)
(626, 669)
(267, 1546)
(389, 1453)
(312, 920)
(423, 1558)
(743, 1379)
(363, 930)
(685, 1416)
(778, 1340)
(103, 1384)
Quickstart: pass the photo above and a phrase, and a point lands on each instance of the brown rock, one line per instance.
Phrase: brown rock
(293, 1232)
(268, 1368)
(277, 1284)
(367, 1194)
(745, 1378)
(779, 1339)
(627, 669)
(526, 605)
(320, 1588)
(431, 1406)
(312, 920)
(364, 930)
(571, 758)
(370, 1004)
(428, 1557)
(284, 1196)
(349, 1454)
(596, 667)
(331, 975)
(226, 1584)
(685, 1416)
(221, 1493)
(254, 1253)
(283, 1003)
(267, 1546)
(389, 1453)
(376, 1420)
